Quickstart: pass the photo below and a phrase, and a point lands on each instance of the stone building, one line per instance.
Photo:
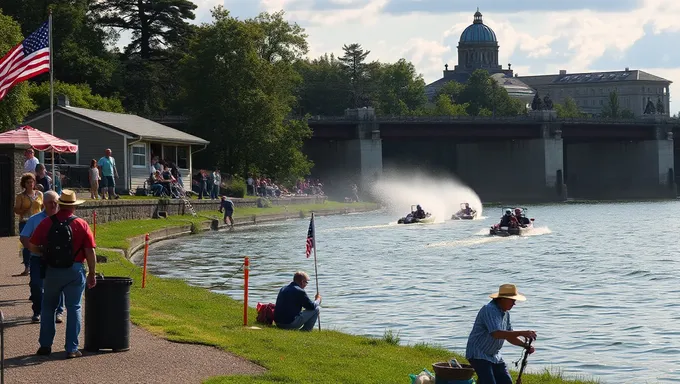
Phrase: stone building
(591, 90)
(478, 49)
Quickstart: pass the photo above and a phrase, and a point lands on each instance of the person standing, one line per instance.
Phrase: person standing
(26, 204)
(93, 175)
(65, 243)
(290, 301)
(107, 172)
(51, 207)
(492, 327)
(31, 161)
(228, 207)
(216, 183)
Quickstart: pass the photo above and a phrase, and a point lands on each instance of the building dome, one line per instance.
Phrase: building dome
(478, 32)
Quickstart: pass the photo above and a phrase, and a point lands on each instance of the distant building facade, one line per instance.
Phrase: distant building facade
(478, 49)
(591, 90)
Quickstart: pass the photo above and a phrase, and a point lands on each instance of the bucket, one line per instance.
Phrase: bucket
(107, 314)
(443, 371)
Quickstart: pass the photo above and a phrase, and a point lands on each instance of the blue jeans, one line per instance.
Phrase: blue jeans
(25, 253)
(215, 191)
(70, 282)
(304, 321)
(36, 285)
(490, 373)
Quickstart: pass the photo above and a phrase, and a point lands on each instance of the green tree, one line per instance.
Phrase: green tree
(280, 39)
(243, 109)
(452, 89)
(483, 94)
(398, 89)
(155, 24)
(569, 109)
(356, 69)
(325, 88)
(627, 114)
(612, 109)
(80, 95)
(445, 107)
(16, 104)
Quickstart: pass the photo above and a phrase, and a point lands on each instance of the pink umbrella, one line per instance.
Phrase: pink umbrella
(37, 139)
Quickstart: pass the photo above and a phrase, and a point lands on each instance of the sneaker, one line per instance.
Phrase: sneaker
(60, 318)
(44, 351)
(73, 355)
(35, 319)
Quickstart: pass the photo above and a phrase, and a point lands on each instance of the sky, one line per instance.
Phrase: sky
(535, 36)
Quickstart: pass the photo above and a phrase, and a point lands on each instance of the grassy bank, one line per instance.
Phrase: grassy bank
(182, 313)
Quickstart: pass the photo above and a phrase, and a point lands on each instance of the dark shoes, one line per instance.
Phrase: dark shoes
(44, 351)
(35, 319)
(73, 355)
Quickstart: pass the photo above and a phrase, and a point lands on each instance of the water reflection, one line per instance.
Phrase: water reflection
(600, 280)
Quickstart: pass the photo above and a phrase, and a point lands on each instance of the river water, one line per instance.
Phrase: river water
(601, 280)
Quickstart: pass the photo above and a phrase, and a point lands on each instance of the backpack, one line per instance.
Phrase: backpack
(265, 313)
(59, 250)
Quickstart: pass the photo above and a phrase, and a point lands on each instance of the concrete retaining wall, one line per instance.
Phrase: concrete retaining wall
(117, 210)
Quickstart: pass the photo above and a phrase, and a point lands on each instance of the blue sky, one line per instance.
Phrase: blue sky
(536, 36)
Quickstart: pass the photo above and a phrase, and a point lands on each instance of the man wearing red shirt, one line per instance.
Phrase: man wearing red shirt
(71, 280)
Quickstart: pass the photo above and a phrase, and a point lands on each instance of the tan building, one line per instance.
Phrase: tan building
(591, 90)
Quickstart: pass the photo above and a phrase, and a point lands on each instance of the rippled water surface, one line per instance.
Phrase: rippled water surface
(602, 280)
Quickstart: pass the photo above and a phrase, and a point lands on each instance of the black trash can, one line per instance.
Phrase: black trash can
(107, 314)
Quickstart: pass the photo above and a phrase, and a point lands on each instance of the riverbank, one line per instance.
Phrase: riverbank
(174, 310)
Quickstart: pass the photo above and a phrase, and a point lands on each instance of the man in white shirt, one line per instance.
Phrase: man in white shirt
(31, 161)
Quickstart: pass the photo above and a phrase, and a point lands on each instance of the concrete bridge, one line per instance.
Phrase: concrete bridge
(529, 158)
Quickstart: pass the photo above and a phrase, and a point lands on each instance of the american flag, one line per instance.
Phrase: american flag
(30, 58)
(310, 237)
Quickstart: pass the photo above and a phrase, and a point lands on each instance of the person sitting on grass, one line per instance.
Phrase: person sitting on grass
(290, 301)
(228, 207)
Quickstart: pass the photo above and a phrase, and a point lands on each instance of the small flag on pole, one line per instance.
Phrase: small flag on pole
(29, 58)
(310, 237)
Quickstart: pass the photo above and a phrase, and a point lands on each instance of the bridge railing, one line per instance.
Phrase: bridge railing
(485, 119)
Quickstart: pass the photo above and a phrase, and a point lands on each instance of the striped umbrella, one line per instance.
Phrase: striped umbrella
(37, 140)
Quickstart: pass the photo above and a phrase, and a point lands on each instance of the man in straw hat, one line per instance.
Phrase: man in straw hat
(65, 243)
(492, 327)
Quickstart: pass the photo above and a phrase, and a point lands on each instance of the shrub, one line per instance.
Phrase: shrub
(235, 188)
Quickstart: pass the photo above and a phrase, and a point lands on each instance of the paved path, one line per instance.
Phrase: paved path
(150, 359)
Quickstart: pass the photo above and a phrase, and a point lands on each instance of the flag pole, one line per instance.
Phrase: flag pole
(49, 22)
(316, 270)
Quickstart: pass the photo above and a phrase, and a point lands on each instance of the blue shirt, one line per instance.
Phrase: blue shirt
(31, 225)
(289, 303)
(481, 345)
(227, 205)
(107, 165)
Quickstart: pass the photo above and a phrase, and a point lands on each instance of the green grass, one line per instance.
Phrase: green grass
(115, 234)
(178, 312)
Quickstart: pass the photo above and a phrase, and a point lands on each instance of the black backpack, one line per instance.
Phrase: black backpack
(59, 250)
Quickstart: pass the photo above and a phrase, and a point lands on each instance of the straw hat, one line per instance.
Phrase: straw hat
(68, 197)
(508, 291)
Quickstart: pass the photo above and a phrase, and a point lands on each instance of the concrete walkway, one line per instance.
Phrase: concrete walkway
(150, 359)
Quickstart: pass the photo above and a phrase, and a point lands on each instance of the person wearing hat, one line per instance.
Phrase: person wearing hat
(69, 280)
(491, 329)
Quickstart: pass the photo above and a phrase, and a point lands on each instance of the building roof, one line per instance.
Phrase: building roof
(478, 32)
(592, 77)
(516, 88)
(143, 129)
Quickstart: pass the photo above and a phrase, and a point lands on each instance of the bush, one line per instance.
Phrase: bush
(235, 188)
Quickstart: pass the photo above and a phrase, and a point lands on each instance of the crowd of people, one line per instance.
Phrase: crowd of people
(263, 186)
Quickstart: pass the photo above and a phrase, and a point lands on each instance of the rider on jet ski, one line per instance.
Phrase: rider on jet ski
(467, 210)
(419, 213)
(521, 219)
(507, 219)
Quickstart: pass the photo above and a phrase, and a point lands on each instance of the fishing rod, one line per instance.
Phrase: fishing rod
(524, 361)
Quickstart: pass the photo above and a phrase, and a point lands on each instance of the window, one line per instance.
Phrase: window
(601, 102)
(139, 156)
(592, 102)
(62, 158)
(601, 91)
(183, 157)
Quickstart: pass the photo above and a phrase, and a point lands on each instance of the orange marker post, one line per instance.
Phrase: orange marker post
(94, 223)
(146, 255)
(246, 271)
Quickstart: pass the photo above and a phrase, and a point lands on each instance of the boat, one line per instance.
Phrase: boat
(497, 230)
(411, 219)
(461, 215)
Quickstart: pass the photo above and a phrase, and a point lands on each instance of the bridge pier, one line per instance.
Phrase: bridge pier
(621, 169)
(522, 170)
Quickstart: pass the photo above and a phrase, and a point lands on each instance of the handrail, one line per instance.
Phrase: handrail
(2, 348)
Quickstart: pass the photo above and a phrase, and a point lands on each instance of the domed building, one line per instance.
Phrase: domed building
(478, 49)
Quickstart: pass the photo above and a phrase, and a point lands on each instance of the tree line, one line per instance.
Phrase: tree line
(245, 85)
